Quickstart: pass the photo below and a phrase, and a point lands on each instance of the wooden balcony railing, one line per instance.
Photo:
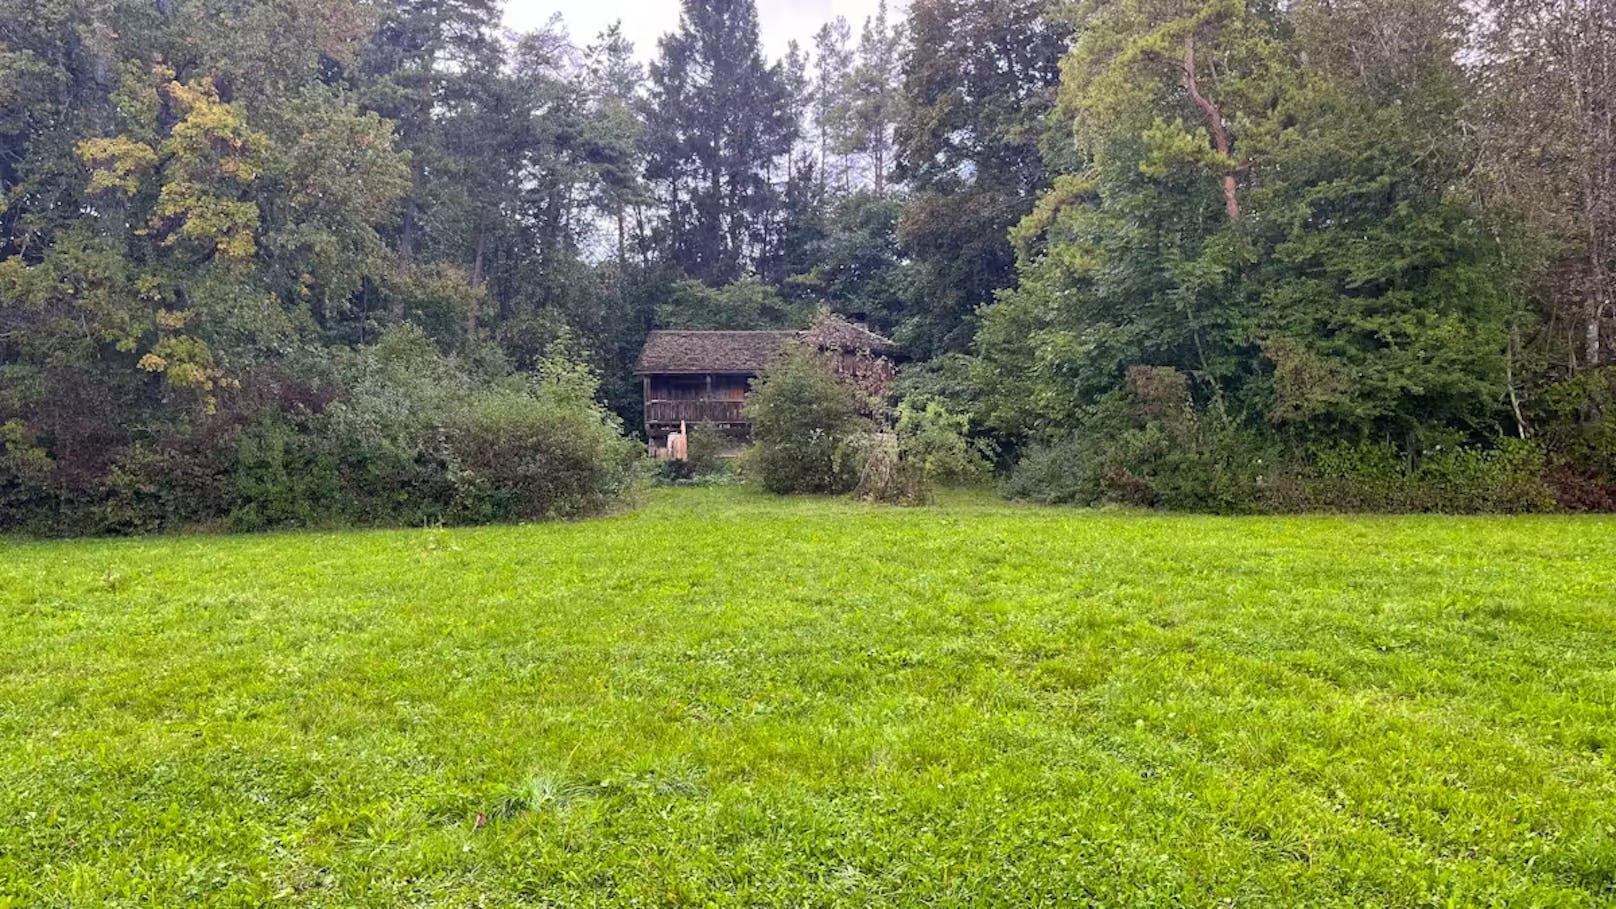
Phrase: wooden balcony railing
(693, 412)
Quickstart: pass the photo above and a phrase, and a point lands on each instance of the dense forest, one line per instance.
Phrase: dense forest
(383, 261)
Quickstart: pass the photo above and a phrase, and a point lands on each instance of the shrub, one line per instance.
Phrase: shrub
(929, 448)
(938, 442)
(1378, 478)
(672, 472)
(540, 450)
(421, 437)
(706, 447)
(180, 479)
(1147, 446)
(517, 456)
(25, 471)
(395, 434)
(803, 420)
(885, 475)
(1054, 472)
(1578, 422)
(1227, 472)
(284, 478)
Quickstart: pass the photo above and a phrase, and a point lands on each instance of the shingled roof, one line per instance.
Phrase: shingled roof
(832, 332)
(740, 352)
(749, 352)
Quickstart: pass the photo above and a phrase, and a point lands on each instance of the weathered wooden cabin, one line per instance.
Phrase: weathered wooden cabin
(695, 377)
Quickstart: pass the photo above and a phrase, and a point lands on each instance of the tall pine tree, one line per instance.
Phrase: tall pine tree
(981, 79)
(719, 118)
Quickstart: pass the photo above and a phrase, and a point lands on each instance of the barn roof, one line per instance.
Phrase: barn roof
(748, 352)
(833, 332)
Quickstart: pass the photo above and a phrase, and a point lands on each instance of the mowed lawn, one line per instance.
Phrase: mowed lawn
(726, 699)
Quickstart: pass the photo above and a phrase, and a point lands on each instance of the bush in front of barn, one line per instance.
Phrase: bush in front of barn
(539, 449)
(805, 422)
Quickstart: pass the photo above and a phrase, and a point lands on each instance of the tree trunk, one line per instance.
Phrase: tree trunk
(406, 259)
(1599, 280)
(1593, 349)
(622, 237)
(1214, 122)
(474, 306)
(715, 232)
(1509, 380)
(640, 238)
(1593, 80)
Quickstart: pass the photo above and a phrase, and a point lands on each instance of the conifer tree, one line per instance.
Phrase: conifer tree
(719, 118)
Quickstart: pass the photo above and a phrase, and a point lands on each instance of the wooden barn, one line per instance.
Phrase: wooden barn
(695, 377)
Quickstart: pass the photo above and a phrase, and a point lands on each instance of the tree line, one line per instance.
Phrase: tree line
(1364, 244)
(1142, 247)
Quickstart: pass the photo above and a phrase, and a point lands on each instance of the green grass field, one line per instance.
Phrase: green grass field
(727, 699)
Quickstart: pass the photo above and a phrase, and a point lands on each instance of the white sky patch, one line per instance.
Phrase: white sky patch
(645, 21)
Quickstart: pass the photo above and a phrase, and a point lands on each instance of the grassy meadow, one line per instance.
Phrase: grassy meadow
(725, 699)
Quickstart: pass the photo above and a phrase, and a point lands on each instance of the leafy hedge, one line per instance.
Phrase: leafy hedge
(393, 435)
(1149, 446)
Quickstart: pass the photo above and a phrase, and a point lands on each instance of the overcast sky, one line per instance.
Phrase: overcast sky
(647, 20)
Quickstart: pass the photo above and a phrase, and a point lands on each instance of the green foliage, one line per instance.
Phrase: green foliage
(544, 451)
(514, 457)
(706, 447)
(427, 437)
(884, 475)
(929, 448)
(938, 443)
(745, 306)
(1149, 446)
(395, 434)
(170, 483)
(1146, 446)
(25, 470)
(946, 381)
(719, 116)
(1393, 322)
(1267, 226)
(980, 704)
(346, 179)
(1056, 472)
(1508, 479)
(437, 298)
(858, 266)
(803, 419)
(980, 81)
(284, 478)
(1579, 418)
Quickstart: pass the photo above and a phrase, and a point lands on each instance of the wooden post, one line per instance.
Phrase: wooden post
(650, 440)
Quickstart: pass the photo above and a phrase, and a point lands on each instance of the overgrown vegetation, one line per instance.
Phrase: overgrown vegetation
(396, 434)
(804, 421)
(1378, 226)
(815, 702)
(1309, 219)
